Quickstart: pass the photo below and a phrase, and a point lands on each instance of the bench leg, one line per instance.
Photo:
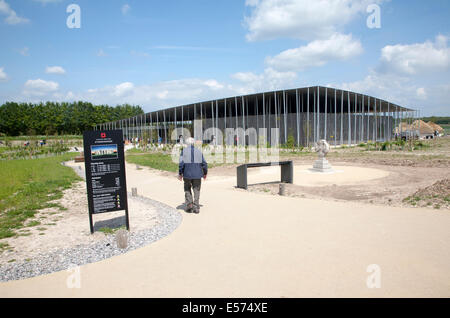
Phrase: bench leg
(241, 173)
(287, 173)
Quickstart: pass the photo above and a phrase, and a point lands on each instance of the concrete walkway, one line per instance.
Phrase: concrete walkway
(246, 244)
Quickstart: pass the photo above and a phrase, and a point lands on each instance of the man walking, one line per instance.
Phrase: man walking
(192, 169)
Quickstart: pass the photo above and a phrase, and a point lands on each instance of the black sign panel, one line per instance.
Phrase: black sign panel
(105, 172)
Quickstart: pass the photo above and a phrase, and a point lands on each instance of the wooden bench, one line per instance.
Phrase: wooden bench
(287, 172)
(80, 158)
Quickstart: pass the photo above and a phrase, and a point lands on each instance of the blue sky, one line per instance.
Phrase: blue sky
(166, 53)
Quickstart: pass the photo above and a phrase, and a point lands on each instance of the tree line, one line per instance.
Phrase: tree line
(438, 120)
(53, 118)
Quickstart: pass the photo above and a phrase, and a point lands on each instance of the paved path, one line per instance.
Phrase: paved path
(255, 245)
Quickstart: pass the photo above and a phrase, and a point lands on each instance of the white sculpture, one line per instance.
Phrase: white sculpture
(322, 165)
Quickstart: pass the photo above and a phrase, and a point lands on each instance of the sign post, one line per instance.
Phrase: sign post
(105, 173)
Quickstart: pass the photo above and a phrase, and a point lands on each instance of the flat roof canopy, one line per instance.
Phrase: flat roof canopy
(343, 99)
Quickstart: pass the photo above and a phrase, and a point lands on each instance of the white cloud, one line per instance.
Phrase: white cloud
(3, 76)
(213, 84)
(139, 54)
(186, 48)
(101, 53)
(11, 15)
(123, 89)
(160, 94)
(47, 1)
(270, 79)
(421, 93)
(55, 70)
(416, 58)
(40, 87)
(316, 53)
(301, 19)
(125, 9)
(408, 75)
(25, 51)
(164, 94)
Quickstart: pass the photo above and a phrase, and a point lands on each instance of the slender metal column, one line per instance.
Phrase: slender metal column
(349, 120)
(193, 121)
(315, 119)
(264, 111)
(355, 118)
(318, 114)
(176, 123)
(140, 127)
(389, 122)
(157, 127)
(326, 116)
(335, 117)
(182, 121)
(308, 126)
(362, 117)
(151, 128)
(298, 114)
(212, 117)
(342, 118)
(257, 115)
(269, 113)
(225, 115)
(276, 109)
(376, 121)
(236, 113)
(246, 111)
(217, 120)
(165, 127)
(285, 117)
(243, 115)
(368, 118)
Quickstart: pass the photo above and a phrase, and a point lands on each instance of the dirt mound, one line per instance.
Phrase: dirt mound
(436, 195)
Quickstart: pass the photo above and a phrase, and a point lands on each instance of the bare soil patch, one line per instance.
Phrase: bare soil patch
(70, 226)
(402, 182)
(436, 196)
(412, 174)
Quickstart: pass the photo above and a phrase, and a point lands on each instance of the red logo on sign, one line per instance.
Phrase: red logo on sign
(103, 135)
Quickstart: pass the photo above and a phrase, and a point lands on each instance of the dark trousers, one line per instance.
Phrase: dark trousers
(195, 184)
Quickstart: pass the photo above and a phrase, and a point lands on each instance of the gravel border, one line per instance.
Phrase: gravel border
(167, 220)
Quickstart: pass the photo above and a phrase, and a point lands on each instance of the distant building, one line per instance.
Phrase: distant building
(306, 114)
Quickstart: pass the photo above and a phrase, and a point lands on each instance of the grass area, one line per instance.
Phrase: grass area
(436, 195)
(28, 186)
(427, 150)
(163, 160)
(160, 161)
(40, 137)
(446, 128)
(3, 246)
(110, 230)
(20, 152)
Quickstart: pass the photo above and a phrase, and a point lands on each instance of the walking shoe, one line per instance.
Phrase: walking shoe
(196, 211)
(189, 208)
